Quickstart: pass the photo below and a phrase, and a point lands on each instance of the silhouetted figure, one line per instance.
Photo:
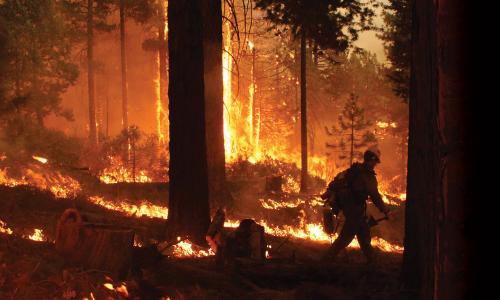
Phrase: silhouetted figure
(361, 183)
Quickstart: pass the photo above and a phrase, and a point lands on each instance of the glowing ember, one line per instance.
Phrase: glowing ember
(146, 209)
(4, 229)
(37, 235)
(40, 159)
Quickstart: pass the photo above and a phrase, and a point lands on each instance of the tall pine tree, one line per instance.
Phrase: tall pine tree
(330, 24)
(396, 35)
(354, 133)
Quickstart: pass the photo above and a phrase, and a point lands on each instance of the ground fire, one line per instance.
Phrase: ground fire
(231, 149)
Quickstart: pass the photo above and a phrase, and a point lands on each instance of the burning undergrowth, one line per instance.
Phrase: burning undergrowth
(131, 156)
(291, 221)
(39, 174)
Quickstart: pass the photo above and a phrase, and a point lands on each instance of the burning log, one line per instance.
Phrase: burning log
(94, 246)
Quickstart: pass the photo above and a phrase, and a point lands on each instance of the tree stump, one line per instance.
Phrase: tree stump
(94, 246)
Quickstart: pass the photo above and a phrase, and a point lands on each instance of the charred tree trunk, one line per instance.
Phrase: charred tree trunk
(435, 257)
(188, 194)
(303, 113)
(214, 114)
(124, 66)
(90, 72)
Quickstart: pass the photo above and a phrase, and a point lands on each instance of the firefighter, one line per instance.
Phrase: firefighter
(363, 184)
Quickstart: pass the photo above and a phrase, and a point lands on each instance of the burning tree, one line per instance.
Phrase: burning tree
(330, 25)
(354, 133)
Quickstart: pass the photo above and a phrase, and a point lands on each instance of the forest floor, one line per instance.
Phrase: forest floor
(34, 270)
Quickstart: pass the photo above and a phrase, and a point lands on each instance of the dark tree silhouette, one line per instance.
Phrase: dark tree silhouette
(214, 102)
(436, 257)
(188, 193)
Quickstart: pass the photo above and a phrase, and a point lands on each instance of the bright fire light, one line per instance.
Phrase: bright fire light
(37, 235)
(4, 228)
(60, 185)
(146, 208)
(43, 160)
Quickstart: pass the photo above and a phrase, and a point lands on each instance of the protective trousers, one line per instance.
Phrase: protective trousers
(355, 226)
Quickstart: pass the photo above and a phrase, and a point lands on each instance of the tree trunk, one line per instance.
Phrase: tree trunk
(188, 194)
(90, 72)
(435, 257)
(303, 113)
(352, 141)
(214, 101)
(124, 66)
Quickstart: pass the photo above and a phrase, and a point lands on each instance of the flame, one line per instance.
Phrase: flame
(271, 204)
(37, 235)
(382, 125)
(146, 208)
(117, 172)
(4, 229)
(43, 160)
(60, 185)
(314, 232)
(226, 78)
(91, 297)
(185, 249)
(160, 111)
